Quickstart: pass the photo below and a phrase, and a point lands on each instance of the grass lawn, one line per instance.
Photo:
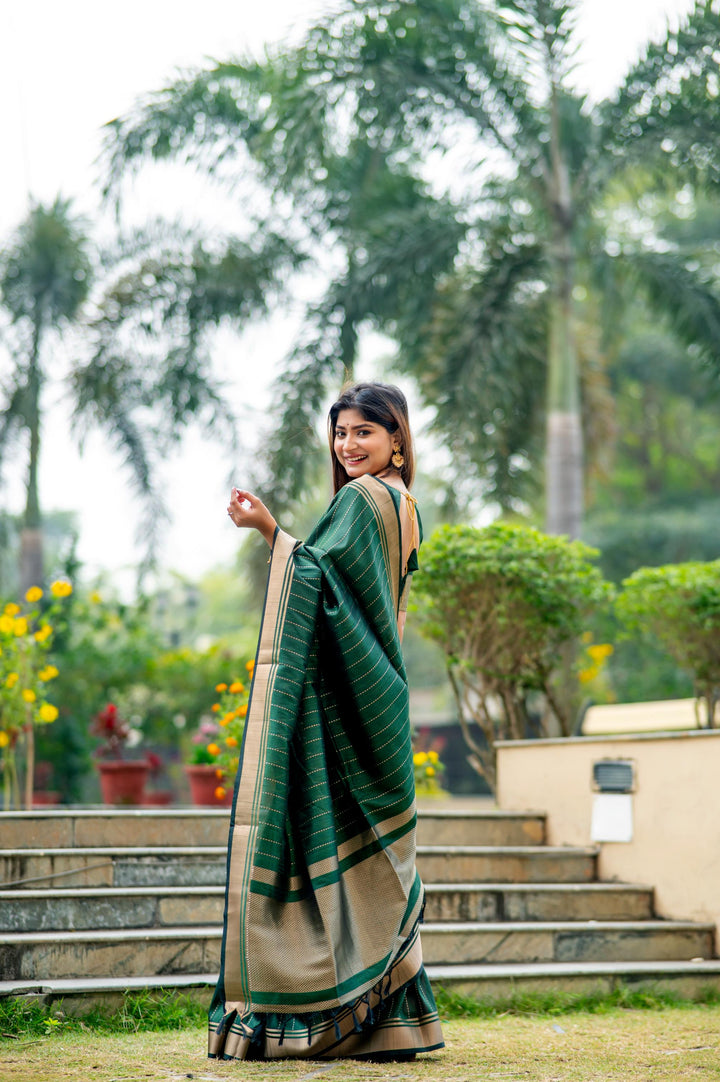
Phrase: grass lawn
(670, 1044)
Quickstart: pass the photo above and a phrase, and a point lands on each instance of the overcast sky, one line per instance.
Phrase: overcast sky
(68, 67)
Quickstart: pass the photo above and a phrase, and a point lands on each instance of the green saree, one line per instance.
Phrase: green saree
(321, 955)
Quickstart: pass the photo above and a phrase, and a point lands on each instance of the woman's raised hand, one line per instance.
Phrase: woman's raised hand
(247, 510)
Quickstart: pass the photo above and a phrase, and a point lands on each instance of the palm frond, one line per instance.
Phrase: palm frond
(665, 113)
(684, 298)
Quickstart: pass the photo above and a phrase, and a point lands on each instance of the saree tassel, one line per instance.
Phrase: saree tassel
(225, 1023)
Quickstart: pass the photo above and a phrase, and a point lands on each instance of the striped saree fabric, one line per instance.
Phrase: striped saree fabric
(321, 955)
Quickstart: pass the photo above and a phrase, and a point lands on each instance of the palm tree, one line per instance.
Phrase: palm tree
(412, 80)
(45, 277)
(142, 372)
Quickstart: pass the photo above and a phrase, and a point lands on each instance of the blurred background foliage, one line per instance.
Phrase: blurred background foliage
(526, 252)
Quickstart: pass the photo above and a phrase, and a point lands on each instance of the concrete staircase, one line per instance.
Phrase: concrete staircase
(97, 901)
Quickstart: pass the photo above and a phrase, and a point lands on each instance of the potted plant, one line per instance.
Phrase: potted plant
(25, 639)
(155, 796)
(122, 781)
(428, 769)
(216, 745)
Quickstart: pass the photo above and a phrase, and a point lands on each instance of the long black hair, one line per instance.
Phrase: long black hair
(383, 404)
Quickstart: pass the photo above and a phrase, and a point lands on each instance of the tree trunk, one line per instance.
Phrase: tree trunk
(31, 536)
(564, 446)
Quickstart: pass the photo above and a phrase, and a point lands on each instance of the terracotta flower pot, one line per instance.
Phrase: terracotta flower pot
(203, 785)
(43, 797)
(158, 798)
(123, 782)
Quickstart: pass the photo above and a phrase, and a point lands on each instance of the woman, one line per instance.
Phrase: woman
(321, 956)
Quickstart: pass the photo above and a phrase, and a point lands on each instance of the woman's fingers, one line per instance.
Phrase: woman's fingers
(243, 507)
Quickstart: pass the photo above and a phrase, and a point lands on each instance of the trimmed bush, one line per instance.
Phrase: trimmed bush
(679, 605)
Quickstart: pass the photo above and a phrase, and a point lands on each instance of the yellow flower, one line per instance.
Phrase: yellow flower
(12, 679)
(29, 695)
(34, 594)
(215, 708)
(250, 665)
(236, 688)
(213, 749)
(95, 598)
(600, 651)
(48, 712)
(231, 741)
(220, 688)
(48, 673)
(429, 771)
(6, 624)
(61, 588)
(419, 758)
(43, 633)
(20, 627)
(4, 739)
(219, 793)
(11, 609)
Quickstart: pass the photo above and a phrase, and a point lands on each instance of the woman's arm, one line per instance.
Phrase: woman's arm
(248, 511)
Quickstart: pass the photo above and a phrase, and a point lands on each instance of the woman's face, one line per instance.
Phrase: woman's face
(361, 446)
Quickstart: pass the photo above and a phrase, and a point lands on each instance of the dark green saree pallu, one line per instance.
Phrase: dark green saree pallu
(321, 955)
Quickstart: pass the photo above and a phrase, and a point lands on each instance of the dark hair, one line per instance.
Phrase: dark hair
(383, 404)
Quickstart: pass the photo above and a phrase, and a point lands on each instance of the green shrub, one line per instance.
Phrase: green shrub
(679, 605)
(504, 603)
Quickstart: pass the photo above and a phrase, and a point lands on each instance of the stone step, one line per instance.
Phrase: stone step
(537, 901)
(109, 952)
(106, 827)
(690, 980)
(496, 982)
(68, 909)
(507, 864)
(565, 941)
(205, 865)
(161, 951)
